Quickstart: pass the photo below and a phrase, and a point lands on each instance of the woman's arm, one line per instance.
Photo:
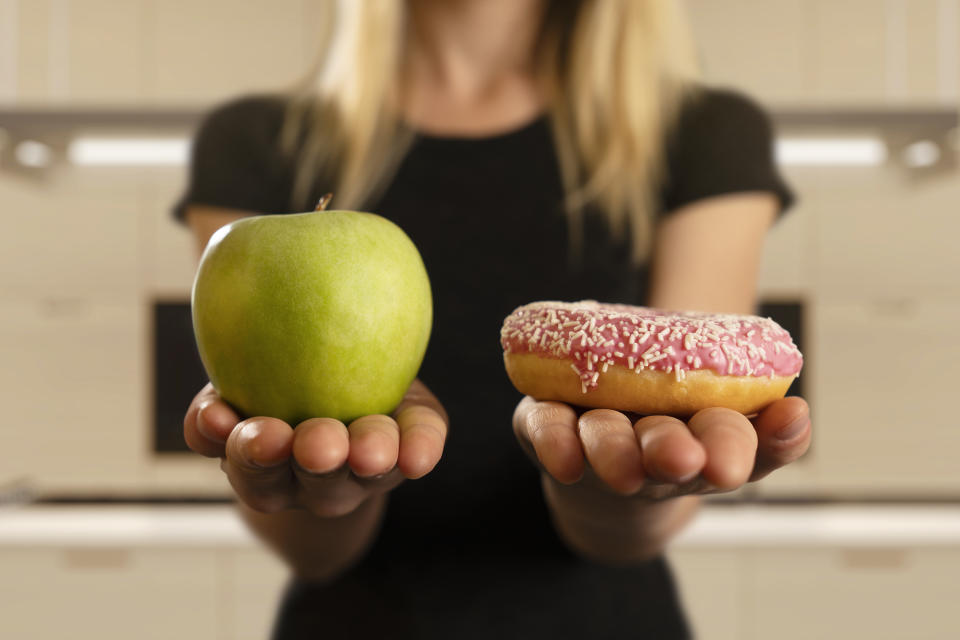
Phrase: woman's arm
(706, 258)
(707, 254)
(204, 222)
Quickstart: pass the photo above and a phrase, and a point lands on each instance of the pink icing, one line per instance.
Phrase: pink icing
(594, 336)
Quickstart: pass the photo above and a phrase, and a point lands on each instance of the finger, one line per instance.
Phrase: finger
(257, 463)
(783, 435)
(423, 432)
(548, 430)
(326, 486)
(612, 449)
(339, 492)
(320, 450)
(374, 445)
(671, 453)
(195, 438)
(321, 445)
(216, 419)
(419, 395)
(731, 445)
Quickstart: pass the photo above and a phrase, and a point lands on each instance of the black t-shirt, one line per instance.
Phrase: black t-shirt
(469, 550)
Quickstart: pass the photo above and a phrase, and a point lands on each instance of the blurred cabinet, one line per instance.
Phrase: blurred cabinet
(68, 239)
(879, 375)
(832, 52)
(881, 284)
(880, 235)
(27, 51)
(253, 593)
(84, 257)
(73, 393)
(711, 584)
(882, 594)
(139, 592)
(100, 53)
(787, 265)
(75, 386)
(104, 52)
(211, 50)
(846, 48)
(180, 52)
(731, 34)
(929, 31)
(819, 592)
(883, 385)
(78, 51)
(170, 256)
(96, 593)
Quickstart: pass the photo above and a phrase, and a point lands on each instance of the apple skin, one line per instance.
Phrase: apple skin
(321, 314)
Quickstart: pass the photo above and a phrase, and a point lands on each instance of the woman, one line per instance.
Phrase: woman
(532, 150)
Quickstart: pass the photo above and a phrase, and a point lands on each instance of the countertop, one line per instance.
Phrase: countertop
(750, 525)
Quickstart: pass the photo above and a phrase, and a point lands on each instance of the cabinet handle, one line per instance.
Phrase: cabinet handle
(895, 308)
(63, 307)
(96, 558)
(873, 558)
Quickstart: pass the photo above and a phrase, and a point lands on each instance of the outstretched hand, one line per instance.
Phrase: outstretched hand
(321, 465)
(658, 457)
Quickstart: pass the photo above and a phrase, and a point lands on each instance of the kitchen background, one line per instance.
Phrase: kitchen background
(107, 531)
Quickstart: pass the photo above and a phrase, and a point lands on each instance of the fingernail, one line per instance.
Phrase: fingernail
(250, 447)
(209, 416)
(245, 434)
(793, 429)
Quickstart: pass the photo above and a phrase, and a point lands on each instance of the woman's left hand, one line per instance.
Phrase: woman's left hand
(658, 457)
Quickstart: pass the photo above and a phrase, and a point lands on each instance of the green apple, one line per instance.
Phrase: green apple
(320, 314)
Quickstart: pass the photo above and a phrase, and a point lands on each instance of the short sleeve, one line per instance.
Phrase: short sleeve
(723, 143)
(236, 159)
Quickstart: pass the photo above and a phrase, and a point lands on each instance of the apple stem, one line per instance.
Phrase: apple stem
(324, 201)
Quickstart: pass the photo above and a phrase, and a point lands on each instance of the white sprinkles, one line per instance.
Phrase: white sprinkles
(595, 336)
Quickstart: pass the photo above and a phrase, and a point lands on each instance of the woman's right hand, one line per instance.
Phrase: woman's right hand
(322, 465)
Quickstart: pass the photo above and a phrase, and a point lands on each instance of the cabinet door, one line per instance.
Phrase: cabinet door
(755, 45)
(72, 387)
(711, 585)
(77, 51)
(847, 51)
(90, 593)
(883, 396)
(171, 253)
(25, 51)
(71, 237)
(256, 585)
(928, 34)
(878, 234)
(881, 594)
(832, 52)
(212, 50)
(786, 267)
(96, 68)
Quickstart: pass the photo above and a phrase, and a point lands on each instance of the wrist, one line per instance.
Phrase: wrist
(318, 548)
(611, 528)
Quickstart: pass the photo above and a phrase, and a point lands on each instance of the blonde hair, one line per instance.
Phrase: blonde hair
(615, 73)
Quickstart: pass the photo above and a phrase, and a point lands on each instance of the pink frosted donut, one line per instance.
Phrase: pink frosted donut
(645, 360)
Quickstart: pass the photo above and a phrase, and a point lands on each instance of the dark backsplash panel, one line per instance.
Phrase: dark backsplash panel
(179, 374)
(790, 316)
